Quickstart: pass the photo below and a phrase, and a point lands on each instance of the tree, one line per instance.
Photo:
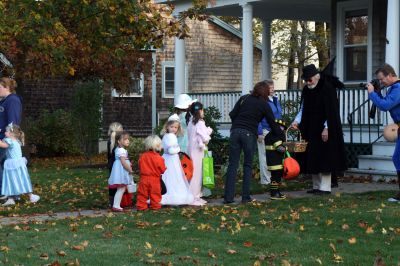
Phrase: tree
(86, 38)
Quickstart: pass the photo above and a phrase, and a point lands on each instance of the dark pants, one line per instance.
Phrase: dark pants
(240, 139)
(2, 159)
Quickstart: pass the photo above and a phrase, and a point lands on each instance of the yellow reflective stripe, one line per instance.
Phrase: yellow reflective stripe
(278, 143)
(275, 167)
(269, 148)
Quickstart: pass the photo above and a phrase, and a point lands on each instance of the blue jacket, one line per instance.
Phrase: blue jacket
(10, 111)
(276, 110)
(391, 102)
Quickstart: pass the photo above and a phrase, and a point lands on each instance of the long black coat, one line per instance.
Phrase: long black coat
(319, 105)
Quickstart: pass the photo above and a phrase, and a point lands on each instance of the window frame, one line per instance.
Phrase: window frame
(164, 65)
(342, 8)
(115, 94)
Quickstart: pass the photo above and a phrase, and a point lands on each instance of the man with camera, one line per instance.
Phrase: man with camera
(391, 102)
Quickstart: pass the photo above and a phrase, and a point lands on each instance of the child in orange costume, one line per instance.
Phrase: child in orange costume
(151, 167)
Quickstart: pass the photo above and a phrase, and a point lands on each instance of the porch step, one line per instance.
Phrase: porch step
(377, 175)
(383, 148)
(376, 162)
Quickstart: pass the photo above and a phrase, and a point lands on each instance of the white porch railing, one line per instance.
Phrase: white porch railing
(349, 100)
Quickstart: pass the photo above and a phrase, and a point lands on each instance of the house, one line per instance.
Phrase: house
(364, 35)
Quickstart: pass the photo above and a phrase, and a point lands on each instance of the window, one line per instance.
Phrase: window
(355, 45)
(168, 79)
(135, 88)
(354, 41)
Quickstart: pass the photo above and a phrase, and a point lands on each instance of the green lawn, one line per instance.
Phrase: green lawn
(341, 229)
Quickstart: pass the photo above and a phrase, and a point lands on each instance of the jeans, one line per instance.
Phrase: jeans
(2, 159)
(240, 139)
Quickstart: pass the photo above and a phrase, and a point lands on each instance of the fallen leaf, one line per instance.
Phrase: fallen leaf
(369, 230)
(379, 261)
(5, 248)
(231, 251)
(301, 227)
(352, 240)
(98, 226)
(211, 254)
(61, 253)
(168, 222)
(148, 245)
(44, 256)
(319, 261)
(337, 258)
(345, 226)
(56, 263)
(285, 263)
(78, 247)
(257, 263)
(248, 244)
(329, 222)
(332, 247)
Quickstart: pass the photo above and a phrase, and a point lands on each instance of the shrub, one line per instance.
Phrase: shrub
(53, 134)
(136, 147)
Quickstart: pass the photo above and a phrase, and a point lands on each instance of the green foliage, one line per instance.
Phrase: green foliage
(86, 115)
(53, 134)
(136, 147)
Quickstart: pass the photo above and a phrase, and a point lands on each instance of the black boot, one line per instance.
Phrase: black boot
(275, 193)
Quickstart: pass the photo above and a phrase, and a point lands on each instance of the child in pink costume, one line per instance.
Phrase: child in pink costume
(199, 135)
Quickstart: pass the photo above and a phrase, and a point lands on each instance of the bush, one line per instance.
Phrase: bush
(86, 115)
(53, 134)
(136, 147)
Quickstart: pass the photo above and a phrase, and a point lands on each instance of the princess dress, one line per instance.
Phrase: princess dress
(16, 180)
(119, 176)
(178, 192)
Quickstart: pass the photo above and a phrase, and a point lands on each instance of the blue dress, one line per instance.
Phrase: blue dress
(119, 176)
(16, 180)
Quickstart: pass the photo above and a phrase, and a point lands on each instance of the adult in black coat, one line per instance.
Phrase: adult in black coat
(320, 125)
(247, 113)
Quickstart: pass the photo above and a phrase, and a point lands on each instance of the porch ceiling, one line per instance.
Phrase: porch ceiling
(311, 10)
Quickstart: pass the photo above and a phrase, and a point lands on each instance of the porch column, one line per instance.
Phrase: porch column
(247, 47)
(393, 35)
(179, 73)
(266, 51)
(154, 90)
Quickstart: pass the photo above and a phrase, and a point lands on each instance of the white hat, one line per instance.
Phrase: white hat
(183, 101)
(174, 117)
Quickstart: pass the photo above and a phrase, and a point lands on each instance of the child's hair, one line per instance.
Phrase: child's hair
(120, 135)
(9, 83)
(112, 131)
(171, 122)
(195, 111)
(152, 143)
(18, 133)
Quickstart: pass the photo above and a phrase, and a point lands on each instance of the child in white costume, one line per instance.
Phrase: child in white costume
(16, 180)
(174, 178)
(121, 171)
(199, 136)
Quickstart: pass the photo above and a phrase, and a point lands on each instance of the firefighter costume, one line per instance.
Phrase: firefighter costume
(275, 154)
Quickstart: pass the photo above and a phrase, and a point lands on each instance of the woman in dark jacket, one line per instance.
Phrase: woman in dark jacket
(248, 111)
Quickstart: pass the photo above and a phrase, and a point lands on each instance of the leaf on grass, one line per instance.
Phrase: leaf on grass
(337, 258)
(148, 245)
(231, 251)
(332, 247)
(384, 231)
(352, 240)
(257, 263)
(369, 230)
(319, 261)
(211, 254)
(379, 261)
(285, 263)
(248, 244)
(301, 227)
(362, 224)
(17, 228)
(44, 256)
(345, 226)
(168, 222)
(98, 226)
(78, 247)
(55, 263)
(61, 253)
(329, 222)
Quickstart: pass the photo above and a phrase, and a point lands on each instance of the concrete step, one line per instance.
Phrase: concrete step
(383, 148)
(377, 175)
(375, 162)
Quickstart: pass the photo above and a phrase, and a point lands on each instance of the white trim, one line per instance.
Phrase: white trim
(114, 92)
(342, 8)
(165, 64)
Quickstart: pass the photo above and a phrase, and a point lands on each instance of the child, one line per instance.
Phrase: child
(16, 179)
(151, 166)
(178, 192)
(121, 170)
(113, 129)
(181, 107)
(275, 150)
(199, 136)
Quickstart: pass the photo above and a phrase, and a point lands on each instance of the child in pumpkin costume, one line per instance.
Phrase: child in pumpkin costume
(275, 153)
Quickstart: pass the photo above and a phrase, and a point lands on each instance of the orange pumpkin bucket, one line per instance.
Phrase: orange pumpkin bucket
(291, 168)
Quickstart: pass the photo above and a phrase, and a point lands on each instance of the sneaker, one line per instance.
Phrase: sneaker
(228, 201)
(34, 198)
(9, 202)
(312, 191)
(395, 198)
(277, 196)
(3, 197)
(114, 209)
(322, 192)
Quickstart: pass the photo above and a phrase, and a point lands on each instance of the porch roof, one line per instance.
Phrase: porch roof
(311, 10)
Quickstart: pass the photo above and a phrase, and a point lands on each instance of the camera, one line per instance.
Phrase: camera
(375, 82)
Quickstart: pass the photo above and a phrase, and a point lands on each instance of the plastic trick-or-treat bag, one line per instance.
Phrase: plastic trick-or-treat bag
(208, 170)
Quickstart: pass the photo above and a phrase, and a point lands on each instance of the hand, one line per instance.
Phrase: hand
(295, 125)
(324, 135)
(370, 87)
(260, 138)
(281, 149)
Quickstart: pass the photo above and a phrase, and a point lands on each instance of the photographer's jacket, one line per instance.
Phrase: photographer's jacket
(391, 102)
(321, 105)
